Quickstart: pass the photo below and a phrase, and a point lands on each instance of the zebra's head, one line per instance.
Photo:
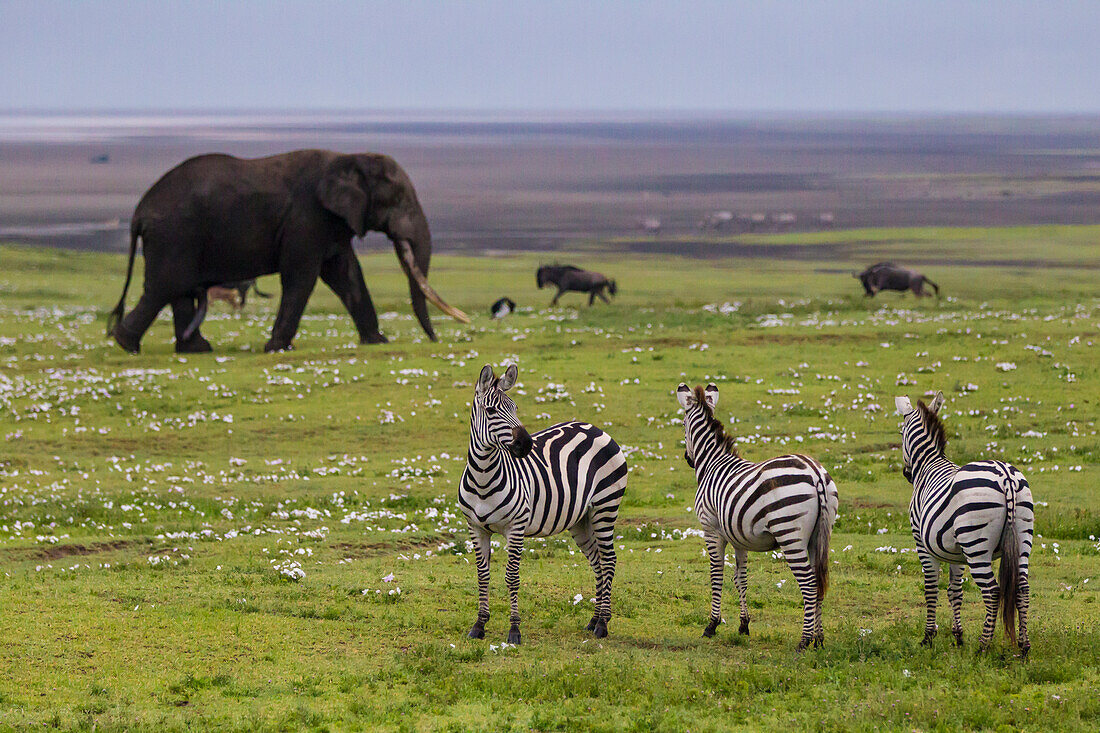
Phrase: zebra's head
(698, 415)
(493, 421)
(921, 430)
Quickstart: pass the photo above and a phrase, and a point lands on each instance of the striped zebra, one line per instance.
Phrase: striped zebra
(789, 502)
(570, 476)
(966, 515)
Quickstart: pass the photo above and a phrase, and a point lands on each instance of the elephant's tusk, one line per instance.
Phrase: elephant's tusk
(404, 249)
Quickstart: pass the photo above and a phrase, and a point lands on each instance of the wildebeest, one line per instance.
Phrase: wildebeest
(234, 293)
(568, 277)
(502, 307)
(888, 276)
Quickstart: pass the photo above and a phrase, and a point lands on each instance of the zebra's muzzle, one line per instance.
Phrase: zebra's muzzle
(907, 473)
(521, 443)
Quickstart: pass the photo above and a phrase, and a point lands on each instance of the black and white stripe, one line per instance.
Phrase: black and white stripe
(789, 502)
(568, 477)
(967, 515)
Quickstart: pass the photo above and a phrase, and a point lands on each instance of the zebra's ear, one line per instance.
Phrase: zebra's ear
(904, 405)
(683, 395)
(509, 379)
(485, 379)
(711, 395)
(937, 402)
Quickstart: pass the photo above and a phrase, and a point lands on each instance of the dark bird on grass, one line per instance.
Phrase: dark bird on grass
(570, 278)
(502, 307)
(888, 276)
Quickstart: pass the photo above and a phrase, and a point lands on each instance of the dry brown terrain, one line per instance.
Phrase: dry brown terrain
(546, 184)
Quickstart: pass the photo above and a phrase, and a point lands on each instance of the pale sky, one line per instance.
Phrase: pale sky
(808, 56)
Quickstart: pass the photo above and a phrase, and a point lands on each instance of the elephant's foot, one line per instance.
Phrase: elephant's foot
(274, 344)
(709, 631)
(373, 338)
(129, 341)
(513, 635)
(194, 345)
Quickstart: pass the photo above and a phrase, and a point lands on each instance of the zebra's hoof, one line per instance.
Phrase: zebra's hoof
(600, 630)
(819, 642)
(927, 640)
(592, 624)
(477, 631)
(804, 644)
(709, 630)
(744, 628)
(958, 637)
(513, 635)
(1024, 650)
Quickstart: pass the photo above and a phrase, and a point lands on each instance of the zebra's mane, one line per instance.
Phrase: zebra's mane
(933, 425)
(717, 429)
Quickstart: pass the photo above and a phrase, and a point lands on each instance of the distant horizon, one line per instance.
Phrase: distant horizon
(551, 113)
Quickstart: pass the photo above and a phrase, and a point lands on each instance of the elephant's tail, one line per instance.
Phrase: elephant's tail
(116, 315)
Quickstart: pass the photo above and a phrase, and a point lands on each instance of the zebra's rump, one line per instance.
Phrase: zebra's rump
(969, 517)
(756, 506)
(573, 467)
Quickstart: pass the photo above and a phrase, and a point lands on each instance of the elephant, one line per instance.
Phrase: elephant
(888, 276)
(217, 218)
(570, 278)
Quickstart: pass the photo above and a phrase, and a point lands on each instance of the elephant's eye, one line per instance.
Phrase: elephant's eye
(490, 410)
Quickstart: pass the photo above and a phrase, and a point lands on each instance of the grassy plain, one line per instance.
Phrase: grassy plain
(154, 510)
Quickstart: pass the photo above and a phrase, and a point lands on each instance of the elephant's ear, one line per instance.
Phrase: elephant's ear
(340, 190)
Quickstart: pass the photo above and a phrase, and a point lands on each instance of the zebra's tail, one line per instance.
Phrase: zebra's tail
(819, 537)
(1009, 576)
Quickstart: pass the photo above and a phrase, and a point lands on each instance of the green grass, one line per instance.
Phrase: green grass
(145, 502)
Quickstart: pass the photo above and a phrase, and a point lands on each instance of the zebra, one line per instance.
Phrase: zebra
(571, 476)
(966, 515)
(788, 502)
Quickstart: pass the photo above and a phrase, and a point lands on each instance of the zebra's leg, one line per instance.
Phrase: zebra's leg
(482, 552)
(955, 595)
(741, 580)
(981, 569)
(511, 579)
(716, 549)
(797, 555)
(1023, 593)
(605, 541)
(586, 540)
(931, 593)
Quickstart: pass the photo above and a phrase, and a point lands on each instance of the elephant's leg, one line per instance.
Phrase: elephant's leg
(183, 312)
(132, 327)
(344, 276)
(297, 287)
